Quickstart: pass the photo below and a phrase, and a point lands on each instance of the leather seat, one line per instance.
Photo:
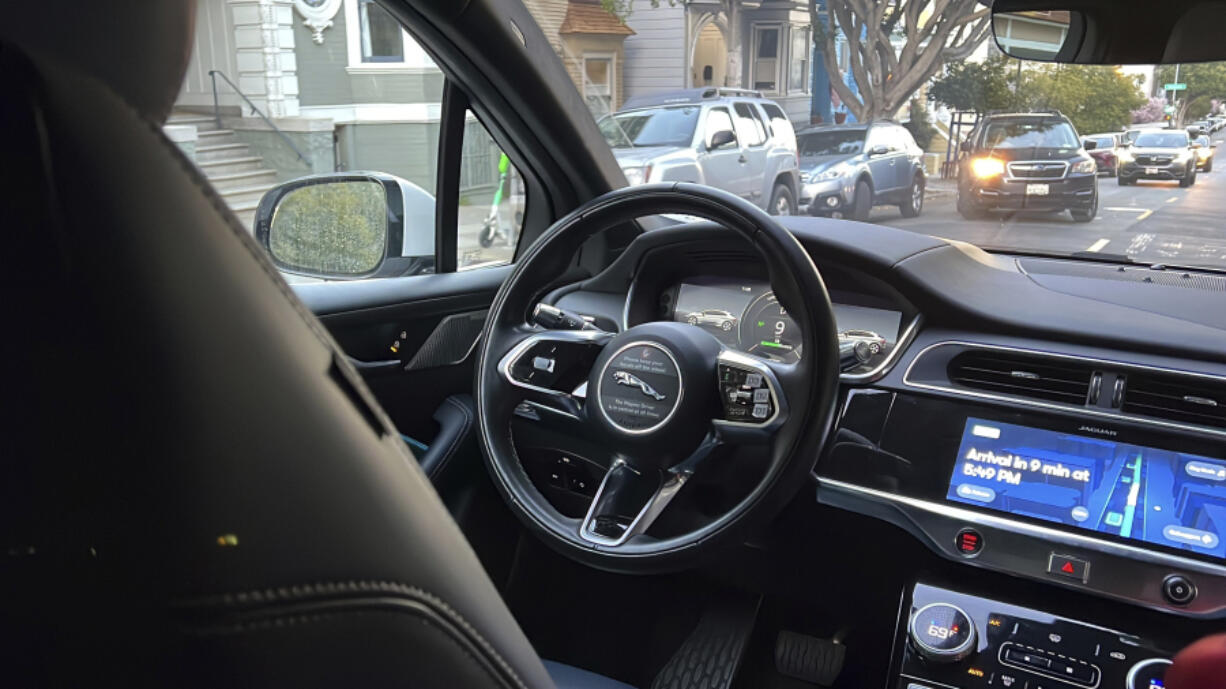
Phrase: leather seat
(198, 490)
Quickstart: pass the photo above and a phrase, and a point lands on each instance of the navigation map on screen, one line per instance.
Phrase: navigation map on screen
(1157, 496)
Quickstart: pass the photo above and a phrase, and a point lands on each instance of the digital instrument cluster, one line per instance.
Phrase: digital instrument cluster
(746, 316)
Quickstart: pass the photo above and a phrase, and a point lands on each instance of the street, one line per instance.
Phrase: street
(1153, 222)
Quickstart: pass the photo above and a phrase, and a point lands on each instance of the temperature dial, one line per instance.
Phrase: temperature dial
(942, 633)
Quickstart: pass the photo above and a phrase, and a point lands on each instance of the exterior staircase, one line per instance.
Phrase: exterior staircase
(238, 174)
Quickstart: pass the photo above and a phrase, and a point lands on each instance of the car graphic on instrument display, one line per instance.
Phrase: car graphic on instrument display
(719, 318)
(876, 343)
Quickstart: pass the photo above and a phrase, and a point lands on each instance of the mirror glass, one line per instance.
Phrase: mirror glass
(335, 228)
(1033, 34)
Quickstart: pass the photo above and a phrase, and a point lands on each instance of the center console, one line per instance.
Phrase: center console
(948, 639)
(1127, 511)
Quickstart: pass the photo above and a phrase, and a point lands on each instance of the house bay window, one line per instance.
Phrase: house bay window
(766, 58)
(598, 83)
(798, 67)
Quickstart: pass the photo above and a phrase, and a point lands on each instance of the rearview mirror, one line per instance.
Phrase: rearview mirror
(721, 138)
(1089, 144)
(1041, 35)
(346, 226)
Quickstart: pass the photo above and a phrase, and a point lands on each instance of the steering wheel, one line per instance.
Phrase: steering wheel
(660, 395)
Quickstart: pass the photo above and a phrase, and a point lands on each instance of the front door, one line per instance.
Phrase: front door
(723, 167)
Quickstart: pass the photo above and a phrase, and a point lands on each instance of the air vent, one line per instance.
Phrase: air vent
(1176, 398)
(1044, 378)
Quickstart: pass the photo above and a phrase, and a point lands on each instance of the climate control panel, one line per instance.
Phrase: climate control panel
(956, 640)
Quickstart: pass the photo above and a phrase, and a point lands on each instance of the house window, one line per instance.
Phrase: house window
(380, 32)
(766, 58)
(798, 68)
(598, 83)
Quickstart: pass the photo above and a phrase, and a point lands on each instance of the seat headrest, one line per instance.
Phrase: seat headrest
(138, 48)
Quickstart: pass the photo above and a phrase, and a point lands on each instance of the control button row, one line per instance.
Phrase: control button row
(745, 395)
(1081, 673)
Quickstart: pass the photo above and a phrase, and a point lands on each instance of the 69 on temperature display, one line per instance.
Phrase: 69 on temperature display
(942, 633)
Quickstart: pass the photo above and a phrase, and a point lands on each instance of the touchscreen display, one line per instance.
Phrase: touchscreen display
(1158, 496)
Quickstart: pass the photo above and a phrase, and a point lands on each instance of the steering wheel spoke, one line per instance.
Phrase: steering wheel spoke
(753, 397)
(631, 496)
(548, 369)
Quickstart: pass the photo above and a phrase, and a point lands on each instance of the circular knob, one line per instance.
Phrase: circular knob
(1147, 674)
(942, 633)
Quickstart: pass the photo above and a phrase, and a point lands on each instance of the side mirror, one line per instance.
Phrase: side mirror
(1196, 145)
(1089, 144)
(721, 138)
(347, 226)
(878, 150)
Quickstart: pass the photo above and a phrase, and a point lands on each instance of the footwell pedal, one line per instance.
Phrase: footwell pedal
(711, 655)
(808, 658)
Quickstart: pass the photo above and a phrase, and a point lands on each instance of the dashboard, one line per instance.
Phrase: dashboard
(1058, 421)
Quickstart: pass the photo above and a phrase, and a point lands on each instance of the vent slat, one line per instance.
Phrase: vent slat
(1176, 398)
(1022, 376)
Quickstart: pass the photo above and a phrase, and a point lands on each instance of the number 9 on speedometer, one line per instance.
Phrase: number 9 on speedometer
(769, 332)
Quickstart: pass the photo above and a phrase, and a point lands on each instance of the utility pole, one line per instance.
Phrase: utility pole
(1174, 98)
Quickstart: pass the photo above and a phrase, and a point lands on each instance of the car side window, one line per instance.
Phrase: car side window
(718, 120)
(876, 137)
(902, 140)
(370, 99)
(749, 127)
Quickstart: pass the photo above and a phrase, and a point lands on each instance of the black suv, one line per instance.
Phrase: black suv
(1026, 161)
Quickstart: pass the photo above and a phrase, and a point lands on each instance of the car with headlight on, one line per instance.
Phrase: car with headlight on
(1159, 154)
(1204, 154)
(848, 169)
(1026, 162)
(731, 139)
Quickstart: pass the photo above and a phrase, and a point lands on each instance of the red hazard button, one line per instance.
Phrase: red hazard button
(968, 542)
(1068, 567)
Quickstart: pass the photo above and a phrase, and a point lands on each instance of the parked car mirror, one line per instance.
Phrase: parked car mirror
(878, 150)
(1090, 144)
(345, 226)
(721, 138)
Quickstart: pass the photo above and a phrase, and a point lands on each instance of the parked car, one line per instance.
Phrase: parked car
(1101, 148)
(1204, 153)
(719, 318)
(1159, 155)
(848, 169)
(1026, 161)
(1200, 127)
(732, 139)
(876, 343)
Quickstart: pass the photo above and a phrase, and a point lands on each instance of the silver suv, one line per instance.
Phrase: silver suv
(731, 139)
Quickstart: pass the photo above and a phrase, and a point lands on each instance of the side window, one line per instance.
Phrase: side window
(365, 106)
(902, 139)
(749, 127)
(876, 137)
(718, 120)
(765, 68)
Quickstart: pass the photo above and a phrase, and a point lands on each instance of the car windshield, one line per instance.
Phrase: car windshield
(832, 143)
(654, 127)
(988, 148)
(1031, 134)
(1162, 140)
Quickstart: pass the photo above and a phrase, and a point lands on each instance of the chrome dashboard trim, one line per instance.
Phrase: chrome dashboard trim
(877, 372)
(925, 514)
(573, 336)
(1089, 411)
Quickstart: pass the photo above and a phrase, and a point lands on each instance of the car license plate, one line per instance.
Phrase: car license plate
(1036, 189)
(1151, 170)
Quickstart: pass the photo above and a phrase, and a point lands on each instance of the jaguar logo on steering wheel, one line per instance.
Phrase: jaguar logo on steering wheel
(624, 378)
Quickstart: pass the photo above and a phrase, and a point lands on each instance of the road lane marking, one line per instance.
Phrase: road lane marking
(1125, 209)
(1144, 215)
(1139, 243)
(1098, 246)
(1173, 199)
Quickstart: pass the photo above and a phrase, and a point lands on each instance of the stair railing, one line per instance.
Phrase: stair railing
(213, 74)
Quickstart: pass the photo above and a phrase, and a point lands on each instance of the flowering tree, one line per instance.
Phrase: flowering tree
(1150, 112)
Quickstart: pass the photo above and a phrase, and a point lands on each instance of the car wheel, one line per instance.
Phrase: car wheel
(782, 202)
(691, 320)
(1124, 181)
(1085, 215)
(913, 205)
(862, 202)
(1188, 180)
(966, 209)
(1209, 165)
(726, 326)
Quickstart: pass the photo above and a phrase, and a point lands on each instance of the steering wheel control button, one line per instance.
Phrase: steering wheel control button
(968, 542)
(1178, 589)
(745, 396)
(942, 633)
(1067, 567)
(543, 363)
(639, 388)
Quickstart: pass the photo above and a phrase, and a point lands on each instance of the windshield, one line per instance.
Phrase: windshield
(989, 148)
(832, 143)
(1035, 134)
(1162, 140)
(658, 127)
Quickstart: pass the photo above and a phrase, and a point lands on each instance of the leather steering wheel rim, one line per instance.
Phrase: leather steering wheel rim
(810, 386)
